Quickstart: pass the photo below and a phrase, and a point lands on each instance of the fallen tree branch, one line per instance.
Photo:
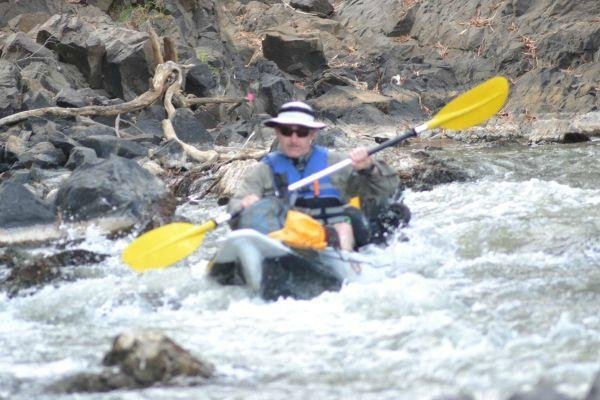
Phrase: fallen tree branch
(208, 156)
(163, 75)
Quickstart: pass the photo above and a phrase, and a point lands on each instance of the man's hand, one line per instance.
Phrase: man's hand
(249, 200)
(361, 158)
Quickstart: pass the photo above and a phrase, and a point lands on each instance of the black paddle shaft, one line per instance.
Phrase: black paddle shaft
(392, 141)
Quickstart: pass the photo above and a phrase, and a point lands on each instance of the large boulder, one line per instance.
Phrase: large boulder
(151, 357)
(110, 57)
(116, 187)
(368, 22)
(141, 359)
(20, 208)
(295, 54)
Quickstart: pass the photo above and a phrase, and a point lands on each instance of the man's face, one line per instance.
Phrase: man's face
(295, 140)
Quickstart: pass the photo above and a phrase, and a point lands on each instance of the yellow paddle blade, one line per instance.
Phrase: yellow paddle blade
(166, 245)
(473, 107)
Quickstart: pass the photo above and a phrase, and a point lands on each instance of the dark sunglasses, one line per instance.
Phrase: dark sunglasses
(301, 131)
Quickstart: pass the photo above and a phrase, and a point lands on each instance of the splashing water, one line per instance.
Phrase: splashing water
(496, 289)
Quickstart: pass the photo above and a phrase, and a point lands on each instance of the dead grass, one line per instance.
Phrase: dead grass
(442, 50)
(250, 39)
(424, 108)
(401, 39)
(529, 116)
(570, 71)
(410, 3)
(478, 21)
(530, 50)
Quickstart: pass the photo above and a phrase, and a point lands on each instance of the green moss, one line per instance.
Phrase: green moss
(202, 56)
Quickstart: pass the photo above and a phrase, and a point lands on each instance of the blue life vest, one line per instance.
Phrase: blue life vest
(282, 165)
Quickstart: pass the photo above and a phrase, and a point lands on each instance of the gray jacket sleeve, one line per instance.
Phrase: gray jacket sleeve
(257, 180)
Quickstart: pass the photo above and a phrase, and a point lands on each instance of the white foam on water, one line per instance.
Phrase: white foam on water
(496, 288)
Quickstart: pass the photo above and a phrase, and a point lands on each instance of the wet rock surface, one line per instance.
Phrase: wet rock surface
(32, 272)
(140, 359)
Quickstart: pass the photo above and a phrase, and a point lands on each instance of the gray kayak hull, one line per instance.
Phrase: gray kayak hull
(272, 270)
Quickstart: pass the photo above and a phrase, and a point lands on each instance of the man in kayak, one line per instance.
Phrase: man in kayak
(326, 199)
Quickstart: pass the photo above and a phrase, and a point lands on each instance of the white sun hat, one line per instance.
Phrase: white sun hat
(295, 113)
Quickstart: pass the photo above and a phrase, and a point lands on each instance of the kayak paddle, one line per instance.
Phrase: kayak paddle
(170, 243)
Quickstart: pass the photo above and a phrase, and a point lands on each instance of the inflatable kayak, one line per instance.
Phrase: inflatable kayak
(272, 270)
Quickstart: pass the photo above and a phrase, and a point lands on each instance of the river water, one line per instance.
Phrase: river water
(497, 288)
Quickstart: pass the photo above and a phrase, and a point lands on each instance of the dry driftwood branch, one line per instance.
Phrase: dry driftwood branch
(162, 77)
(241, 154)
(208, 156)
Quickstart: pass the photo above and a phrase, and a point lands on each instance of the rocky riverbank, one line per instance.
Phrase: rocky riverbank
(113, 112)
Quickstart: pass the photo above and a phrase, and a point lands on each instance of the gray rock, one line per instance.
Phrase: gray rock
(28, 271)
(171, 155)
(114, 187)
(369, 21)
(189, 129)
(81, 155)
(152, 357)
(10, 88)
(274, 92)
(106, 145)
(586, 124)
(19, 207)
(206, 118)
(43, 154)
(26, 22)
(200, 79)
(296, 55)
(152, 127)
(13, 148)
(71, 98)
(41, 99)
(22, 50)
(10, 9)
(353, 105)
(53, 76)
(106, 55)
(104, 141)
(142, 359)
(321, 8)
(555, 131)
